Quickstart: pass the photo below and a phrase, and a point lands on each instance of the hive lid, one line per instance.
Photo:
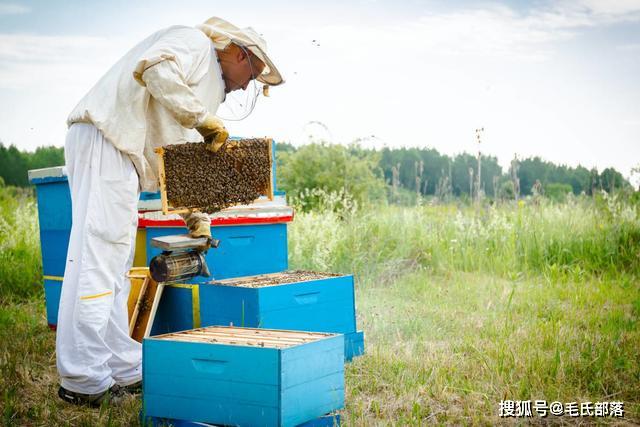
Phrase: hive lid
(57, 172)
(245, 337)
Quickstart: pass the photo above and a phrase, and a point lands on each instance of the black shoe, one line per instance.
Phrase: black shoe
(135, 388)
(113, 395)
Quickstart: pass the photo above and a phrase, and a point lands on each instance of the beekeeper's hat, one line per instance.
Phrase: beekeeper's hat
(222, 33)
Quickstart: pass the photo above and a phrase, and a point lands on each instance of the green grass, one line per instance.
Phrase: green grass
(461, 307)
(448, 348)
(29, 380)
(562, 240)
(20, 263)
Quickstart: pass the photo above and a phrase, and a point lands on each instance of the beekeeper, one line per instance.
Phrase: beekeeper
(165, 90)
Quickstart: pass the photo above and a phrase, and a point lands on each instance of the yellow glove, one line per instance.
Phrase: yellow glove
(198, 223)
(213, 131)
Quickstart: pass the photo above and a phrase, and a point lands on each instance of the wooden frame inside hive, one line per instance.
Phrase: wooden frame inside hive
(251, 337)
(168, 208)
(274, 279)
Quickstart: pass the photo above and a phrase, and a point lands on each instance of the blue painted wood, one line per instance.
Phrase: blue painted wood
(48, 180)
(325, 305)
(147, 195)
(305, 401)
(52, 290)
(353, 345)
(304, 396)
(244, 250)
(54, 217)
(53, 245)
(308, 292)
(224, 391)
(229, 305)
(324, 356)
(175, 311)
(240, 385)
(204, 410)
(335, 316)
(329, 420)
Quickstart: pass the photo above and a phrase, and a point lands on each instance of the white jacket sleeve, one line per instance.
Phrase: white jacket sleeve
(166, 67)
(166, 84)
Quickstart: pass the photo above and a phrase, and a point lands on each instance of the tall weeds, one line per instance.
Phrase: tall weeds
(574, 238)
(20, 262)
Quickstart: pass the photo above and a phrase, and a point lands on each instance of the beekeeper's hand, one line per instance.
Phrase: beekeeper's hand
(213, 131)
(198, 223)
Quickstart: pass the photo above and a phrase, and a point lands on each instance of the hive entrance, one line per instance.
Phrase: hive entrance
(192, 177)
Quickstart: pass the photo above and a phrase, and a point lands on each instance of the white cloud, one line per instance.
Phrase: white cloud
(616, 9)
(27, 60)
(13, 9)
(492, 30)
(629, 47)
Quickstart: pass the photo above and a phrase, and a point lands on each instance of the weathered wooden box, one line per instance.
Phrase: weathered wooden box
(243, 376)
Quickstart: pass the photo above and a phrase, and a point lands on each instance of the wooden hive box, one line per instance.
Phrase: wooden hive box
(303, 301)
(243, 376)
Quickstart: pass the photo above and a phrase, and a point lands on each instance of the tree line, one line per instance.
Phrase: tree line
(427, 172)
(369, 173)
(429, 169)
(15, 163)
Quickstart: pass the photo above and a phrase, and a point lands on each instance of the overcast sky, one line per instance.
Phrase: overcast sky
(556, 79)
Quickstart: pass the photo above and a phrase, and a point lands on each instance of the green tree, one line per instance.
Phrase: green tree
(612, 180)
(461, 181)
(334, 169)
(15, 164)
(45, 157)
(557, 192)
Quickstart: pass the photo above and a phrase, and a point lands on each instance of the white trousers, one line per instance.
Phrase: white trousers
(93, 346)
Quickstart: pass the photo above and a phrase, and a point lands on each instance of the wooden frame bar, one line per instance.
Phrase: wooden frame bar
(270, 338)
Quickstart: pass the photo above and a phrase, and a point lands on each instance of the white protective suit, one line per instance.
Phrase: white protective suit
(112, 134)
(155, 95)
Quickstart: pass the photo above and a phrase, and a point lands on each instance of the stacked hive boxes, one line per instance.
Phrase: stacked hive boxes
(251, 286)
(255, 243)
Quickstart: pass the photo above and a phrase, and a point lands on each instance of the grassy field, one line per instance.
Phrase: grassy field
(461, 306)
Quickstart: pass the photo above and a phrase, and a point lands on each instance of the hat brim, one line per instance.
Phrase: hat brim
(272, 76)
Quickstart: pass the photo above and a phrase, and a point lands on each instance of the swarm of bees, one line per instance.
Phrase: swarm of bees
(238, 173)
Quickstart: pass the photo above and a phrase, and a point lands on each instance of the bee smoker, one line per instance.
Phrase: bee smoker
(182, 258)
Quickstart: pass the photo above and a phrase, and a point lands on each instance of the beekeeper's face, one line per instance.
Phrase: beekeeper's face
(239, 67)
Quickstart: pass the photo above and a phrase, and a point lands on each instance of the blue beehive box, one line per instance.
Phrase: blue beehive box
(305, 301)
(54, 214)
(245, 248)
(243, 376)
